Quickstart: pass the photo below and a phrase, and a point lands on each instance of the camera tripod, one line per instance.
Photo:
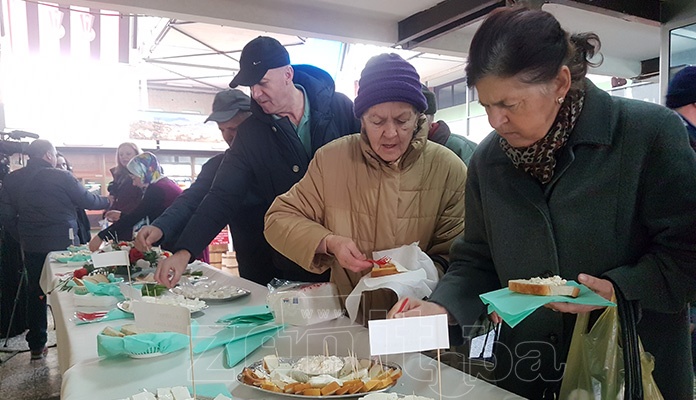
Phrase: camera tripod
(23, 282)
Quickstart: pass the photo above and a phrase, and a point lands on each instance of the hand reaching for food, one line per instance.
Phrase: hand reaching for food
(146, 237)
(410, 307)
(170, 269)
(347, 253)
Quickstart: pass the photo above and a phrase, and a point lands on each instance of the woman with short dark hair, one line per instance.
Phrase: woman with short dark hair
(576, 183)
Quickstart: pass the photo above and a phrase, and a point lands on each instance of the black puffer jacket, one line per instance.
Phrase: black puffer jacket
(265, 160)
(38, 206)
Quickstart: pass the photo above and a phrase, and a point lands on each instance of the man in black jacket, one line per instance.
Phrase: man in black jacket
(37, 207)
(231, 107)
(295, 111)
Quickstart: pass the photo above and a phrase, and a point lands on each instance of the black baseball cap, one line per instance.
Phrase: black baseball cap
(258, 56)
(227, 104)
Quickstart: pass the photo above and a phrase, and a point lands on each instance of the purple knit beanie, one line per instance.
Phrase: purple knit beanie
(388, 77)
(682, 89)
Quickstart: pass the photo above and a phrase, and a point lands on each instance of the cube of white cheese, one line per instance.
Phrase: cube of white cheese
(143, 396)
(180, 393)
(164, 394)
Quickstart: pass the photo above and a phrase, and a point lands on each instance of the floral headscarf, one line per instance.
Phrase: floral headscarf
(146, 167)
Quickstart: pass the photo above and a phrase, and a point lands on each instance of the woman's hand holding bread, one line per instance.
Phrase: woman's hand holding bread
(600, 286)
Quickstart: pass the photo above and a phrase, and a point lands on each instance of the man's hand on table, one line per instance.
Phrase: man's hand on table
(170, 269)
(146, 237)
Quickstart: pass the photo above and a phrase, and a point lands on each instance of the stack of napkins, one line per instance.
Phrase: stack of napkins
(247, 330)
(514, 307)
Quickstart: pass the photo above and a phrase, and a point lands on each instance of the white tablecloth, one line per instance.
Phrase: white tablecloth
(86, 376)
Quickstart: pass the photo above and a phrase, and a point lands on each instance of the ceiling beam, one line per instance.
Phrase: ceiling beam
(643, 11)
(443, 18)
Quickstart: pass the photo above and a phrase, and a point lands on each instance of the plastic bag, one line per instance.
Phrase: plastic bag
(595, 366)
(303, 303)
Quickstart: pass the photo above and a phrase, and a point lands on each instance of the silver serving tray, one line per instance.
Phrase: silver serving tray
(259, 364)
(236, 295)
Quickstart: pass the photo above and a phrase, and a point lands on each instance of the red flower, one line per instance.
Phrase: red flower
(79, 273)
(135, 255)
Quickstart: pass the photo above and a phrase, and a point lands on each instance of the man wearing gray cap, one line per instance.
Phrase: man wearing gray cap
(231, 107)
(295, 111)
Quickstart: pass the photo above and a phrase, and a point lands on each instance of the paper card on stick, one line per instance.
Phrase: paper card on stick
(153, 317)
(110, 258)
(130, 292)
(408, 335)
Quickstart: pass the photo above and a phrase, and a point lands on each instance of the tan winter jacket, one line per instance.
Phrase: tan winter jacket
(349, 191)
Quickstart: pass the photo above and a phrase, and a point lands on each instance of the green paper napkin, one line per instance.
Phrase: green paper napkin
(104, 289)
(514, 307)
(211, 390)
(237, 351)
(111, 315)
(144, 343)
(256, 315)
(231, 334)
(74, 258)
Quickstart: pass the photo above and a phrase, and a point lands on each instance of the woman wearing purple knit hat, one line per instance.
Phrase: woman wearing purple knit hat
(382, 188)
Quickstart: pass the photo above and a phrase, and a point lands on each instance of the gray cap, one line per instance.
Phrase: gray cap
(227, 104)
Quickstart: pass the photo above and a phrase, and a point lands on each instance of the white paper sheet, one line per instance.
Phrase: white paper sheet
(153, 317)
(408, 335)
(418, 282)
(110, 258)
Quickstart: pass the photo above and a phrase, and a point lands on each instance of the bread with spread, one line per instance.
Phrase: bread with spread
(553, 286)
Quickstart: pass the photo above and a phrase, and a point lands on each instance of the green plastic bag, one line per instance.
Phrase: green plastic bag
(595, 365)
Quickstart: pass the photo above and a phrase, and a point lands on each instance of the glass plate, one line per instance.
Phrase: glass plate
(125, 307)
(259, 364)
(239, 292)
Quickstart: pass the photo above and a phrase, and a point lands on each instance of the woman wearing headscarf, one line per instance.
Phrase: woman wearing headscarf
(159, 193)
(577, 183)
(126, 195)
(382, 188)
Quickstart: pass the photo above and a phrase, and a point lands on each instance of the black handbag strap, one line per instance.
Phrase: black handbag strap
(628, 320)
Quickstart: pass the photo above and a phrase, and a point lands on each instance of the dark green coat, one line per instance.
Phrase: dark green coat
(621, 205)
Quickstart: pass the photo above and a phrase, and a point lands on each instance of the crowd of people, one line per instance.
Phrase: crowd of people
(571, 182)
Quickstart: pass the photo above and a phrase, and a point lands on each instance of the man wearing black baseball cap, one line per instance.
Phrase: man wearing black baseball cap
(231, 107)
(295, 111)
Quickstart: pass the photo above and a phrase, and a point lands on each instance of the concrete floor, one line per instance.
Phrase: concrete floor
(23, 379)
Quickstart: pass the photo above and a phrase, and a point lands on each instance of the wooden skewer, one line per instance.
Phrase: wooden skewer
(439, 374)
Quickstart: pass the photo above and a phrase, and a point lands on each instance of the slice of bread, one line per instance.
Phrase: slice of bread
(384, 270)
(109, 331)
(542, 287)
(130, 329)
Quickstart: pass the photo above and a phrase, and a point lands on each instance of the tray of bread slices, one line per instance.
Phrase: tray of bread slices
(320, 376)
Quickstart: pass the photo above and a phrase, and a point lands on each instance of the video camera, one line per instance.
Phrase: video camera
(12, 146)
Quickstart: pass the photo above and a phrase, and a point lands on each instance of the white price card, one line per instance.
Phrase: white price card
(153, 317)
(408, 335)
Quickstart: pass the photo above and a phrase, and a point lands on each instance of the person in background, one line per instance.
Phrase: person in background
(379, 189)
(37, 206)
(159, 193)
(126, 195)
(440, 131)
(681, 97)
(576, 183)
(295, 111)
(230, 109)
(83, 225)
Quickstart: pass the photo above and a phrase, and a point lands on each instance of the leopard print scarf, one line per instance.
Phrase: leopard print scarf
(539, 159)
